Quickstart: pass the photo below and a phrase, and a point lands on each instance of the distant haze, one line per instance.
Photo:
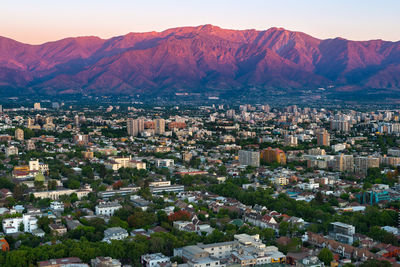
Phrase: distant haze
(41, 21)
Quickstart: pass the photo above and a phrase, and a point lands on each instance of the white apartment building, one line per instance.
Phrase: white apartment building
(57, 206)
(164, 163)
(35, 165)
(12, 225)
(154, 260)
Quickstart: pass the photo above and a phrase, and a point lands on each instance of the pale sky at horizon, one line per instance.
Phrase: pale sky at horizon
(39, 21)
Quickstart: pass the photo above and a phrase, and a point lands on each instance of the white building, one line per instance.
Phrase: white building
(115, 233)
(164, 163)
(12, 225)
(57, 206)
(249, 158)
(35, 165)
(107, 208)
(153, 260)
(11, 150)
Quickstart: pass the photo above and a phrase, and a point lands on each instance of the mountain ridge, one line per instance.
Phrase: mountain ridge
(203, 58)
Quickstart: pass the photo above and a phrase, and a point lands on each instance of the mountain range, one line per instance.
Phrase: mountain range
(205, 59)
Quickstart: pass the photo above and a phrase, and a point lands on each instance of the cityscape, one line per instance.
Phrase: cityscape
(223, 133)
(209, 185)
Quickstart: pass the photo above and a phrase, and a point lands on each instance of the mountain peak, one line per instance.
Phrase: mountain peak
(204, 58)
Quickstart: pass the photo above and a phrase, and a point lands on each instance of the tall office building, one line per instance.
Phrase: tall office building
(249, 158)
(135, 126)
(19, 134)
(323, 138)
(159, 126)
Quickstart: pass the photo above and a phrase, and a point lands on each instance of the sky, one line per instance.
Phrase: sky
(39, 21)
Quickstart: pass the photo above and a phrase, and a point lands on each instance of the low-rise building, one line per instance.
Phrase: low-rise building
(107, 208)
(153, 260)
(115, 233)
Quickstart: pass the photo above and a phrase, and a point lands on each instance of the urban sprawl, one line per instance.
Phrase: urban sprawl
(198, 186)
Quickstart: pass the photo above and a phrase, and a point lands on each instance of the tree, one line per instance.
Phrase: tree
(52, 185)
(326, 256)
(283, 228)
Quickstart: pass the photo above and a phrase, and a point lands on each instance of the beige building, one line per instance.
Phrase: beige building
(362, 164)
(159, 126)
(115, 163)
(344, 163)
(35, 165)
(55, 194)
(30, 145)
(36, 106)
(323, 138)
(11, 150)
(135, 126)
(19, 134)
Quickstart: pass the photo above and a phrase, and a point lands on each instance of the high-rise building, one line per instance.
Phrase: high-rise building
(323, 138)
(230, 113)
(316, 151)
(76, 121)
(290, 140)
(362, 164)
(271, 155)
(30, 122)
(159, 126)
(36, 106)
(135, 126)
(344, 163)
(19, 134)
(1, 108)
(340, 125)
(249, 158)
(30, 145)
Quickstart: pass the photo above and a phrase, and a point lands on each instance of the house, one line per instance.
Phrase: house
(140, 202)
(57, 206)
(38, 232)
(58, 229)
(115, 233)
(72, 224)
